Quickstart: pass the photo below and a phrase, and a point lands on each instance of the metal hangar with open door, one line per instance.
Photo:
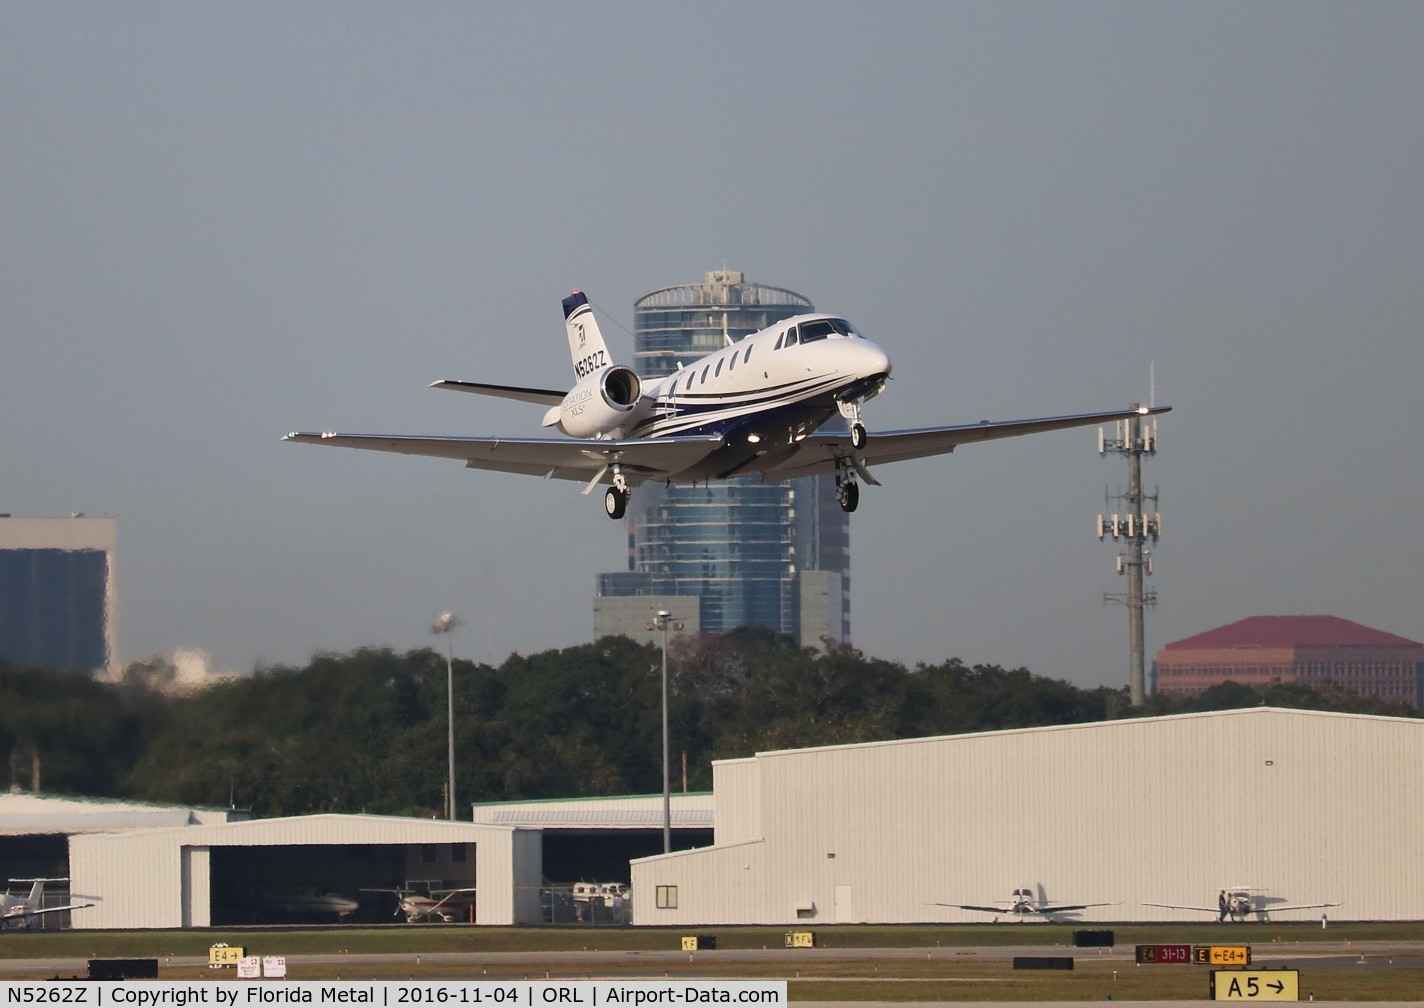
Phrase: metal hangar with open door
(307, 869)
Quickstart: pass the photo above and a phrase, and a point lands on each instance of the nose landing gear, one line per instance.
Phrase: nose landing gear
(851, 411)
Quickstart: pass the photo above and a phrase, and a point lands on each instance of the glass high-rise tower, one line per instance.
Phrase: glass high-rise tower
(741, 552)
(57, 592)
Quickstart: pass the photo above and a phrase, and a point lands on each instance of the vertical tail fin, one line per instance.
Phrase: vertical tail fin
(586, 345)
(36, 895)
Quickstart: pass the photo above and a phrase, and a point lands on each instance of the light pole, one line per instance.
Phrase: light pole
(664, 623)
(446, 624)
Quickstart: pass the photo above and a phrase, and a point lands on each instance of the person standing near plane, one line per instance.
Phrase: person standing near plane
(1223, 906)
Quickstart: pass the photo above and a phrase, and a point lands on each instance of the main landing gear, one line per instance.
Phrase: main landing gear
(847, 489)
(848, 494)
(615, 500)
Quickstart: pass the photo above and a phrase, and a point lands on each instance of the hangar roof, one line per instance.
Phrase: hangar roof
(47, 815)
(1243, 712)
(329, 828)
(1291, 631)
(687, 811)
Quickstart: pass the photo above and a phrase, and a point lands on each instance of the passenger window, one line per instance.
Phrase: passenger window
(703, 379)
(719, 369)
(732, 361)
(746, 358)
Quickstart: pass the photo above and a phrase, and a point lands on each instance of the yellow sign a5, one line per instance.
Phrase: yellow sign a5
(1255, 985)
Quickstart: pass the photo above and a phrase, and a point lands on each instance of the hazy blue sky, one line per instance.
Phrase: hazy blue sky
(222, 222)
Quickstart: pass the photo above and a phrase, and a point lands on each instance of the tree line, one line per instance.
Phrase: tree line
(366, 731)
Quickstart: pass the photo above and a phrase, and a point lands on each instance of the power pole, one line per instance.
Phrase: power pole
(1135, 529)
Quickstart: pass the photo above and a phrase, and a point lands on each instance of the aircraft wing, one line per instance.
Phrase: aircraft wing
(554, 458)
(966, 906)
(1304, 906)
(1179, 906)
(1075, 906)
(26, 914)
(544, 397)
(820, 452)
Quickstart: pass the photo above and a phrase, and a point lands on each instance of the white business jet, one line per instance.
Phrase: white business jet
(752, 408)
(21, 912)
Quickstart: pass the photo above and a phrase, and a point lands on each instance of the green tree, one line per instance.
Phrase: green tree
(63, 731)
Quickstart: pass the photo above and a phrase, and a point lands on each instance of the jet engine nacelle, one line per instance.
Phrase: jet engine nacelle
(600, 404)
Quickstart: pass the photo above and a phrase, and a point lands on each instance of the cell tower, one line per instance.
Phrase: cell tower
(1135, 529)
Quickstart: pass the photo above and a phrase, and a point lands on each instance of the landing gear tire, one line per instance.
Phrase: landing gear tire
(848, 494)
(615, 502)
(857, 439)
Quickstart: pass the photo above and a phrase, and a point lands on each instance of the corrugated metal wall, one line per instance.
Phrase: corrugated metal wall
(1308, 806)
(160, 878)
(736, 791)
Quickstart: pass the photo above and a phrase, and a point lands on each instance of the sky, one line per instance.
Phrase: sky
(223, 222)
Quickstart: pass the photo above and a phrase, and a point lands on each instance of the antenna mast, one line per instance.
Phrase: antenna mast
(1134, 439)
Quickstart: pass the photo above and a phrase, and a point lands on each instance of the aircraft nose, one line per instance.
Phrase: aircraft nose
(873, 360)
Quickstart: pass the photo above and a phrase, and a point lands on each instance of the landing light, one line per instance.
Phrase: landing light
(753, 438)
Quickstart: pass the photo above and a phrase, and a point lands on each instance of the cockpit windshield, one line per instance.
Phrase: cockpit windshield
(819, 329)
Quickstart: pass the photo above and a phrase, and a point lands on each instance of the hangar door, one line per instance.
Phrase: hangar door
(337, 883)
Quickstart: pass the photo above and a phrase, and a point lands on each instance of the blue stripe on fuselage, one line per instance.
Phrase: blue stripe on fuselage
(701, 414)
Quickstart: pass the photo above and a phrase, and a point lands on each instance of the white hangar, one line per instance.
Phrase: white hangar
(1301, 806)
(190, 876)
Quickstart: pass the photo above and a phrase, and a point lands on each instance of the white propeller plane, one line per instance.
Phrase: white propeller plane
(752, 408)
(1023, 904)
(1238, 904)
(446, 906)
(21, 912)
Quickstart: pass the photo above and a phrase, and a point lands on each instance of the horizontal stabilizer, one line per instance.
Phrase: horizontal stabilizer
(544, 397)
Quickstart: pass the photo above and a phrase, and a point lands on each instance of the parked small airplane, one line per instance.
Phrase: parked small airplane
(752, 408)
(445, 905)
(1023, 904)
(1237, 904)
(18, 912)
(296, 901)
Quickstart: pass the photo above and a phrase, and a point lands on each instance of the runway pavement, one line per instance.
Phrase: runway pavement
(656, 964)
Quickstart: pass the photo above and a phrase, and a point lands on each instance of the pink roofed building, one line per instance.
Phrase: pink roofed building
(1310, 650)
